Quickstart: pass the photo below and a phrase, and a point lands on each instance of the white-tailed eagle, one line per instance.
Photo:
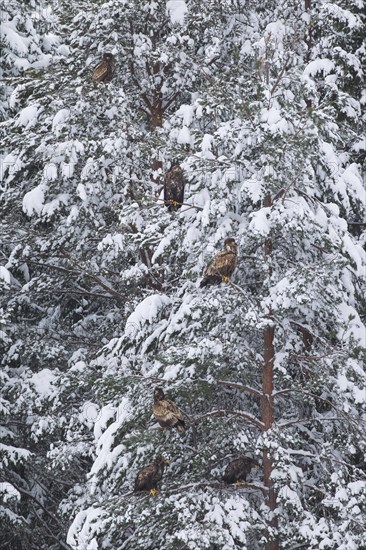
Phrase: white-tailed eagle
(167, 413)
(148, 477)
(174, 187)
(222, 266)
(104, 71)
(237, 470)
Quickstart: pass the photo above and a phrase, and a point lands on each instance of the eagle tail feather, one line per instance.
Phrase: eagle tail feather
(211, 280)
(181, 427)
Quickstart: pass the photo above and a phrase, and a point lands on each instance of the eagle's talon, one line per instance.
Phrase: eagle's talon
(238, 484)
(153, 492)
(225, 279)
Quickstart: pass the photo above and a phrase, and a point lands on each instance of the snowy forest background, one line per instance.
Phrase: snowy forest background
(262, 104)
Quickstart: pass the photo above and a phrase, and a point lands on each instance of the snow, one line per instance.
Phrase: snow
(276, 31)
(50, 172)
(353, 182)
(33, 200)
(253, 188)
(187, 114)
(260, 222)
(67, 169)
(28, 116)
(146, 312)
(59, 119)
(105, 450)
(352, 327)
(10, 35)
(10, 165)
(290, 497)
(177, 10)
(8, 492)
(319, 65)
(164, 244)
(184, 136)
(90, 414)
(5, 275)
(206, 144)
(63, 50)
(81, 191)
(43, 383)
(172, 372)
(84, 167)
(86, 523)
(13, 455)
(105, 414)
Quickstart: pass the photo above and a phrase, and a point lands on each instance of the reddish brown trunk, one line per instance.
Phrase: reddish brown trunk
(267, 419)
(267, 408)
(156, 119)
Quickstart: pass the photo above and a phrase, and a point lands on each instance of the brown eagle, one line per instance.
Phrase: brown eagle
(104, 71)
(222, 266)
(167, 413)
(237, 470)
(174, 187)
(148, 477)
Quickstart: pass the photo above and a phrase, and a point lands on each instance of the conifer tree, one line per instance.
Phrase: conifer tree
(260, 107)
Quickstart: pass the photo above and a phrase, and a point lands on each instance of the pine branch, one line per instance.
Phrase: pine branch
(224, 412)
(216, 485)
(38, 502)
(48, 529)
(176, 203)
(240, 387)
(279, 78)
(341, 413)
(107, 288)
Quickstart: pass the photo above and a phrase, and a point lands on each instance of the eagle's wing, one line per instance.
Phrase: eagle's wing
(173, 409)
(234, 472)
(167, 412)
(145, 477)
(223, 263)
(101, 71)
(238, 469)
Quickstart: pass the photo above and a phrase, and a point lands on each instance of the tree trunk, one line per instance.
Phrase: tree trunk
(267, 407)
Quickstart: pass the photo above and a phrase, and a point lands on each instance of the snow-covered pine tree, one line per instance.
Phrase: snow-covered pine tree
(28, 43)
(270, 366)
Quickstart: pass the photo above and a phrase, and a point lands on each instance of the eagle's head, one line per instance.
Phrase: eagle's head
(158, 394)
(161, 461)
(230, 245)
(175, 167)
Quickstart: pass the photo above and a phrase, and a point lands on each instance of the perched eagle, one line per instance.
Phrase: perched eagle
(148, 477)
(222, 266)
(104, 71)
(174, 187)
(238, 469)
(167, 413)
